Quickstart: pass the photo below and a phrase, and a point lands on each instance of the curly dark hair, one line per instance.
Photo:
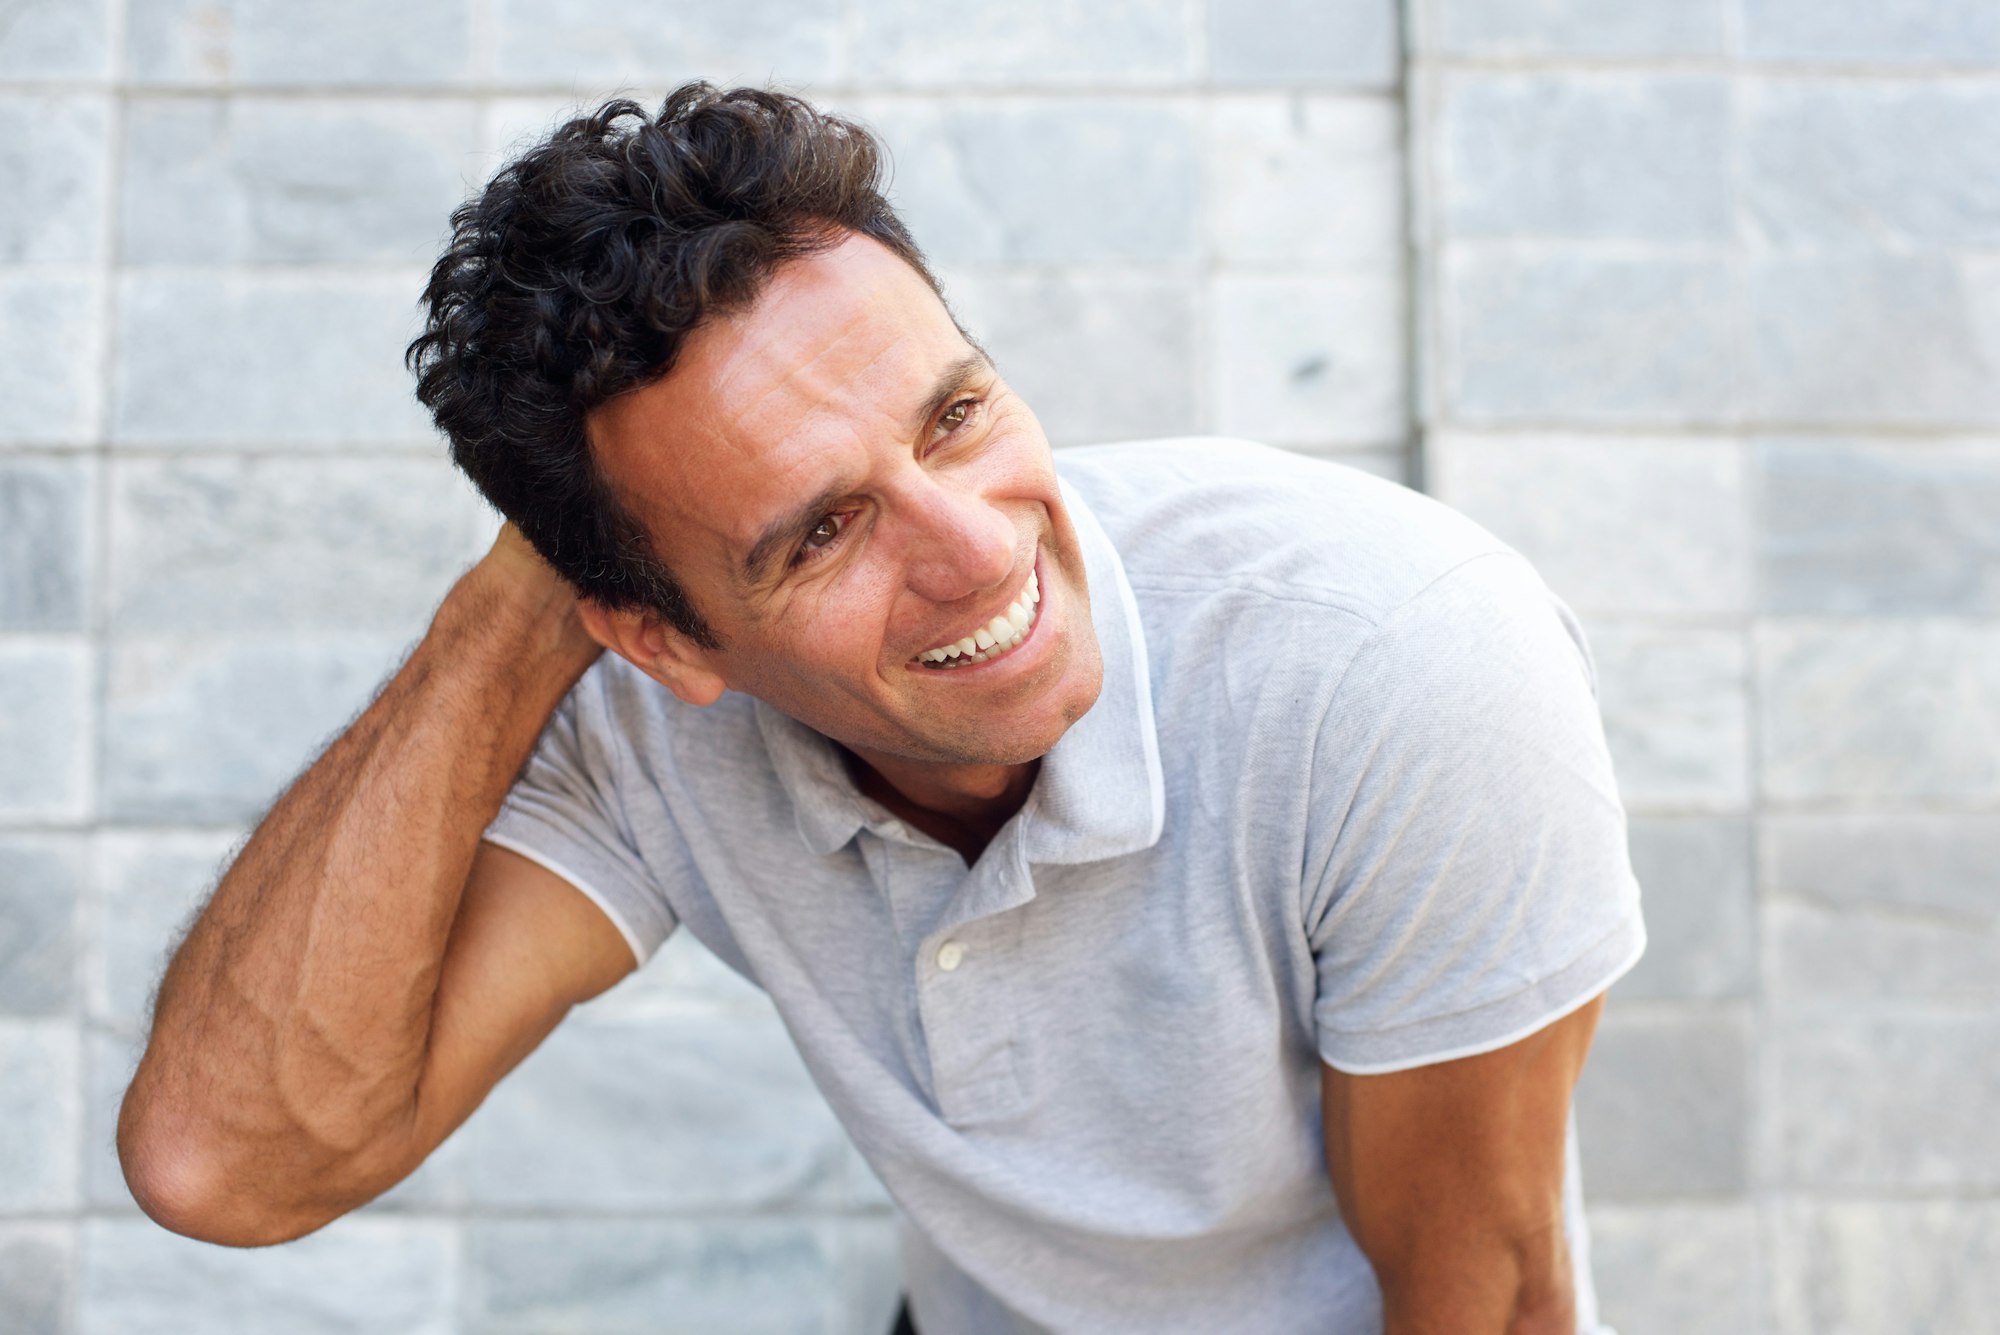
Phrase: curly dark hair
(580, 270)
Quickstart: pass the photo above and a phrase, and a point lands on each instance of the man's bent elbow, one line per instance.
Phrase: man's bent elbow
(188, 1192)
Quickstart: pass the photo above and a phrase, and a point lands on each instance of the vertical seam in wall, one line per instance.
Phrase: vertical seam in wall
(1416, 312)
(1207, 268)
(1764, 1136)
(98, 620)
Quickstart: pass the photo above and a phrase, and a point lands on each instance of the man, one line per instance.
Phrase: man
(1191, 874)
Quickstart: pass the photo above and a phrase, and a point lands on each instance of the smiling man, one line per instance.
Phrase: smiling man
(1191, 873)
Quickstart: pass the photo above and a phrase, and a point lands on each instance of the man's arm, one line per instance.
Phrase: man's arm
(367, 969)
(1450, 1179)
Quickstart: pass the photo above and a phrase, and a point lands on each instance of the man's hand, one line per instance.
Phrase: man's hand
(362, 976)
(1450, 1179)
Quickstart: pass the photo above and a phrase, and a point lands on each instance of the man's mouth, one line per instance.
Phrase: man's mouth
(1005, 631)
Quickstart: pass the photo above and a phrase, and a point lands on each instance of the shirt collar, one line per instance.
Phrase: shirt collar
(1100, 792)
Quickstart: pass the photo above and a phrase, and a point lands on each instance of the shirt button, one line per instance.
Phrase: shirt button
(950, 955)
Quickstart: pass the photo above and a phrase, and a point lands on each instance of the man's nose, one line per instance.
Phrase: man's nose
(960, 544)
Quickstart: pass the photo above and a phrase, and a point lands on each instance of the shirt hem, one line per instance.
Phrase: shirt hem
(1515, 1033)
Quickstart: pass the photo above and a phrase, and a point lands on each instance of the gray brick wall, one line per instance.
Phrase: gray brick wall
(1709, 312)
(1697, 302)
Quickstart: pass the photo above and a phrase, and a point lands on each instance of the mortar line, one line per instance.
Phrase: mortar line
(1418, 399)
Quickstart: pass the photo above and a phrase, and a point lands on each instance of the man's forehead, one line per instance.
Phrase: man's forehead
(843, 313)
(839, 348)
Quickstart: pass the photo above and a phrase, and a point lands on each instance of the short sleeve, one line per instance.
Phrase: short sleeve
(563, 812)
(1475, 885)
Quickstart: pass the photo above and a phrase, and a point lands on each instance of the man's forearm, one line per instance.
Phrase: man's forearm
(289, 1034)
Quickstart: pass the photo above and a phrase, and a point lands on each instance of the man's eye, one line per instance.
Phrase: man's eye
(823, 534)
(955, 417)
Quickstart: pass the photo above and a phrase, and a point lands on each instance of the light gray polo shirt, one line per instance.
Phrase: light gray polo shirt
(1344, 797)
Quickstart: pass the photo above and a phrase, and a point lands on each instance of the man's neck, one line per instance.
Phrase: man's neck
(961, 806)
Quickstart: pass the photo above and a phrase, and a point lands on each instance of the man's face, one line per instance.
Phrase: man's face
(844, 486)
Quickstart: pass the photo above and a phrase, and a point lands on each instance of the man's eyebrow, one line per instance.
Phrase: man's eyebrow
(781, 532)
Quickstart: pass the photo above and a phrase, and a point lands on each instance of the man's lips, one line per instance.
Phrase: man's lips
(1004, 631)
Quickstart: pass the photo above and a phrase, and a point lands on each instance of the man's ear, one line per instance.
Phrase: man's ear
(656, 649)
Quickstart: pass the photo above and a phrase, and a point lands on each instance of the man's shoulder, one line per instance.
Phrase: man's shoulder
(1228, 514)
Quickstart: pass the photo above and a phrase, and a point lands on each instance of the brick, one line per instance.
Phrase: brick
(913, 43)
(1952, 32)
(255, 180)
(266, 359)
(41, 882)
(1887, 1101)
(1700, 903)
(868, 1253)
(1872, 164)
(149, 884)
(1922, 861)
(355, 1275)
(1095, 357)
(1348, 43)
(1306, 182)
(1390, 461)
(601, 45)
(1889, 1267)
(37, 1278)
(1879, 709)
(1911, 340)
(1603, 157)
(109, 1061)
(45, 730)
(211, 729)
(45, 542)
(253, 42)
(54, 151)
(1891, 528)
(1309, 361)
(974, 180)
(271, 543)
(709, 1113)
(1580, 27)
(39, 1106)
(57, 39)
(1663, 1107)
(1672, 1269)
(51, 335)
(621, 1277)
(510, 126)
(1626, 525)
(1676, 714)
(1823, 954)
(1590, 339)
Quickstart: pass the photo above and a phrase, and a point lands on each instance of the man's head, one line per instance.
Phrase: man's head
(700, 364)
(579, 272)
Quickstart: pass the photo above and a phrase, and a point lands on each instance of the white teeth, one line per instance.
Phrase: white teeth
(997, 636)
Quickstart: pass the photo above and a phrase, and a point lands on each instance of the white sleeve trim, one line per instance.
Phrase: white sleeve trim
(1588, 994)
(584, 887)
